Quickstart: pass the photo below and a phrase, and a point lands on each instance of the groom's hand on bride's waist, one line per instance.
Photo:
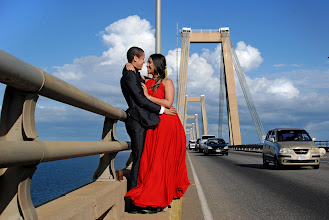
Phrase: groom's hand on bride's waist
(170, 111)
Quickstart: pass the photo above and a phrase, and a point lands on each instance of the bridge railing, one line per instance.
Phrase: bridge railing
(248, 147)
(259, 147)
(323, 144)
(20, 149)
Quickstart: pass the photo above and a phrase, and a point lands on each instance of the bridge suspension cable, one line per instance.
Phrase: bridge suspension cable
(247, 95)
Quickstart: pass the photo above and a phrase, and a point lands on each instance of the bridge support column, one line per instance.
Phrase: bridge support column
(200, 99)
(182, 81)
(195, 117)
(231, 101)
(193, 136)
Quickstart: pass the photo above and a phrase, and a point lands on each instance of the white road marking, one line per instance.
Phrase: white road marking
(204, 205)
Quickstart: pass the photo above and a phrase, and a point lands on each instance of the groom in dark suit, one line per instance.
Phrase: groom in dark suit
(141, 112)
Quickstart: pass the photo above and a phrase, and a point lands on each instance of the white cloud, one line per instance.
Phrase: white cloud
(279, 65)
(172, 62)
(281, 87)
(296, 65)
(249, 57)
(125, 33)
(199, 72)
(283, 65)
(100, 75)
(213, 57)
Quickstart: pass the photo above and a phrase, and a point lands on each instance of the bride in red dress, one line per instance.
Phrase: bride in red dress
(162, 173)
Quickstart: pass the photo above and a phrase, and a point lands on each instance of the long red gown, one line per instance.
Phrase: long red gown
(162, 172)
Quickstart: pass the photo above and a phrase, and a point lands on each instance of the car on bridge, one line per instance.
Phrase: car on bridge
(191, 144)
(203, 140)
(290, 146)
(216, 146)
(197, 144)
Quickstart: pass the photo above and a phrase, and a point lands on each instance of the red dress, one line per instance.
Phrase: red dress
(162, 172)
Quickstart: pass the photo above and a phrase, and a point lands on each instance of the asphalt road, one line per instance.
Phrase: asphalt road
(238, 187)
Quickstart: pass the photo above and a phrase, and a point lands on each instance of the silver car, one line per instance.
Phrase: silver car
(290, 146)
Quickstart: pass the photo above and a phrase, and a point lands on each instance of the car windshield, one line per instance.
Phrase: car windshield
(216, 141)
(293, 135)
(207, 136)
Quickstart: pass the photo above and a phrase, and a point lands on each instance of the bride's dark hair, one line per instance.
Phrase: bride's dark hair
(159, 62)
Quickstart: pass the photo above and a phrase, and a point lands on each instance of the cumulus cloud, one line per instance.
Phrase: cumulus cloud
(200, 72)
(213, 57)
(100, 75)
(125, 33)
(281, 87)
(249, 57)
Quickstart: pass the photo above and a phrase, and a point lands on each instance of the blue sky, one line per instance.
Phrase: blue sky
(282, 47)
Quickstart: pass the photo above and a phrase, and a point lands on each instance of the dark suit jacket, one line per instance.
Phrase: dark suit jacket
(140, 108)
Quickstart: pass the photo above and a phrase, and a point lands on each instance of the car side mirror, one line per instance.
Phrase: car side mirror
(313, 139)
(271, 139)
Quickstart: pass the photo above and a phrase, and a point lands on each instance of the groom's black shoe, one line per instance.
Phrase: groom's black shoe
(141, 210)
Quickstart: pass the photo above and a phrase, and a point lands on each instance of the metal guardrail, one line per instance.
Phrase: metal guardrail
(205, 30)
(248, 147)
(259, 147)
(322, 144)
(20, 149)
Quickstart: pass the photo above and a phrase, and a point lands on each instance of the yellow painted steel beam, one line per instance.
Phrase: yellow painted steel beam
(205, 37)
(194, 99)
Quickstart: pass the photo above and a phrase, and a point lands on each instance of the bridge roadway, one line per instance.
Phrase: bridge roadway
(238, 187)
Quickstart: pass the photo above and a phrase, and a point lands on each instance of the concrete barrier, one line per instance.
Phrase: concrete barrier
(98, 200)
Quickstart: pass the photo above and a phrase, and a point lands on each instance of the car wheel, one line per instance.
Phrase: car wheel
(276, 164)
(316, 166)
(206, 154)
(265, 162)
(226, 154)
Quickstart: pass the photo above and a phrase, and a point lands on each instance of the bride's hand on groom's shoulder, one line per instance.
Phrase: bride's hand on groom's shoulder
(130, 67)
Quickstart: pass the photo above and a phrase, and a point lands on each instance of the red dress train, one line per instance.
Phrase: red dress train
(162, 172)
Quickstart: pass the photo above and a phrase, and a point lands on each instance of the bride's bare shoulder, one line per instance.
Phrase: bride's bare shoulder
(167, 80)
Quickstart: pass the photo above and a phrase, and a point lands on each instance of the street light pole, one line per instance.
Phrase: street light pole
(158, 27)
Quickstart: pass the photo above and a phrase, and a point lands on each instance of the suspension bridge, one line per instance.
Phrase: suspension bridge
(229, 63)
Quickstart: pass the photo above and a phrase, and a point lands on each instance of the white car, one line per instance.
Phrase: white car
(191, 144)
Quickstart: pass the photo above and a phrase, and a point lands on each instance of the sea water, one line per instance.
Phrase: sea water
(54, 179)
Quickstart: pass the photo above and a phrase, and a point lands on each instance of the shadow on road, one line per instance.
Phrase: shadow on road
(255, 166)
(260, 166)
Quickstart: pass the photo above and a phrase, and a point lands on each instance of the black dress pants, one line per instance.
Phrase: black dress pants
(137, 135)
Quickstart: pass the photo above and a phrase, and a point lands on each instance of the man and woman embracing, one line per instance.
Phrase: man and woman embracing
(158, 140)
